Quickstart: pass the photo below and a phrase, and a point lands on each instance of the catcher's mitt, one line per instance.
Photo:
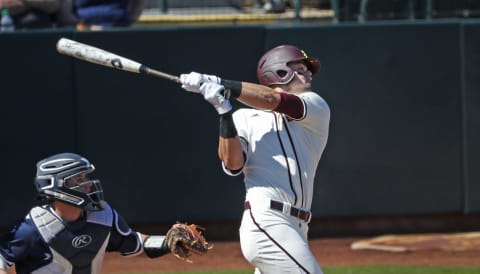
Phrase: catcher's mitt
(183, 240)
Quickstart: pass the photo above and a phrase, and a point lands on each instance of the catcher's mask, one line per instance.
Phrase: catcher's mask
(273, 69)
(64, 177)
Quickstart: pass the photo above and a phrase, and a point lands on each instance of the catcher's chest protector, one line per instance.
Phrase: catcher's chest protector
(76, 251)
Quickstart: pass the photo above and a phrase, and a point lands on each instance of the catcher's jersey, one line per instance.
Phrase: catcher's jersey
(44, 243)
(282, 154)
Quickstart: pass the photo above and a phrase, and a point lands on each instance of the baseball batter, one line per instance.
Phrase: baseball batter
(73, 227)
(277, 145)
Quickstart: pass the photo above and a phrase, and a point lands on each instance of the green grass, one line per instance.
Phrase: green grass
(353, 270)
(391, 269)
(197, 272)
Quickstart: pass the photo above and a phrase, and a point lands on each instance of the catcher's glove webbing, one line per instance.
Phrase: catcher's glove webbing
(183, 240)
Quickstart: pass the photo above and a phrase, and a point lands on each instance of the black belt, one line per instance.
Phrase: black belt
(295, 212)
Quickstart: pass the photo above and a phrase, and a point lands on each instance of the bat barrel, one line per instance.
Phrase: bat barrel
(95, 55)
(101, 57)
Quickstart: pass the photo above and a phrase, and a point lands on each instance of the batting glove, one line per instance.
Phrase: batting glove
(193, 80)
(214, 94)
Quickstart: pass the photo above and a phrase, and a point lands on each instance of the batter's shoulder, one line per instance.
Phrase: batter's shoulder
(314, 99)
(310, 95)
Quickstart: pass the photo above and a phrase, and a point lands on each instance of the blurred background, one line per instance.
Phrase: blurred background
(307, 10)
(401, 78)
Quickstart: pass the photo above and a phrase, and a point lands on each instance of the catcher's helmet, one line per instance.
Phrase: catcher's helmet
(273, 69)
(64, 177)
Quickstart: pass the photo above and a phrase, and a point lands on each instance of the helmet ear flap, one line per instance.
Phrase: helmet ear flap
(43, 182)
(281, 73)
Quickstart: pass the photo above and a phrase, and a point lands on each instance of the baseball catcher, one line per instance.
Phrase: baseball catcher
(182, 240)
(73, 226)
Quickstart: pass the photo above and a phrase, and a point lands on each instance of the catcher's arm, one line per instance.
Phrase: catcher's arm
(154, 245)
(181, 240)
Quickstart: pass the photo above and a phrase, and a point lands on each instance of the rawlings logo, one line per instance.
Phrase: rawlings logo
(81, 241)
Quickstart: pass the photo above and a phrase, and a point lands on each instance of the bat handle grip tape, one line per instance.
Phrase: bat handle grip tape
(146, 70)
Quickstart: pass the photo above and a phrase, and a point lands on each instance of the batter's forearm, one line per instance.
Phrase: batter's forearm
(262, 97)
(230, 153)
(259, 96)
(254, 95)
(229, 146)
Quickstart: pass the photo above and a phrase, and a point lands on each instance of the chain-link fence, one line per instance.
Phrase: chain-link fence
(238, 11)
(211, 6)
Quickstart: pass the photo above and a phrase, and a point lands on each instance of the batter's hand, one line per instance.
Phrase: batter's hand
(214, 94)
(193, 80)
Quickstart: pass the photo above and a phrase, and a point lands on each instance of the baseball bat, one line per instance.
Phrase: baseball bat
(102, 57)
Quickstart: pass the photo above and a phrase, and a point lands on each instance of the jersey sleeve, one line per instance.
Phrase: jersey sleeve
(16, 244)
(317, 112)
(123, 239)
(291, 105)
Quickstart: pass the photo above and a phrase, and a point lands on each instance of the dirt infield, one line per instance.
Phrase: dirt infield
(329, 252)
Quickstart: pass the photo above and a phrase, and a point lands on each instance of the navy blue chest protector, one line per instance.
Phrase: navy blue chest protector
(78, 247)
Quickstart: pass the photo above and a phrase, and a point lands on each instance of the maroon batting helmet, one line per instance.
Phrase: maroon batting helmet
(273, 67)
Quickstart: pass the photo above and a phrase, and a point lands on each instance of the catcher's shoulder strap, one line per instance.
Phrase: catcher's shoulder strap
(47, 223)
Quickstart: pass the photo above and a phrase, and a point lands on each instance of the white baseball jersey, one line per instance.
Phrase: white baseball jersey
(282, 155)
(281, 161)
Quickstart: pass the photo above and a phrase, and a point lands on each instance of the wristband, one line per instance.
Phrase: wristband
(155, 246)
(227, 126)
(235, 87)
